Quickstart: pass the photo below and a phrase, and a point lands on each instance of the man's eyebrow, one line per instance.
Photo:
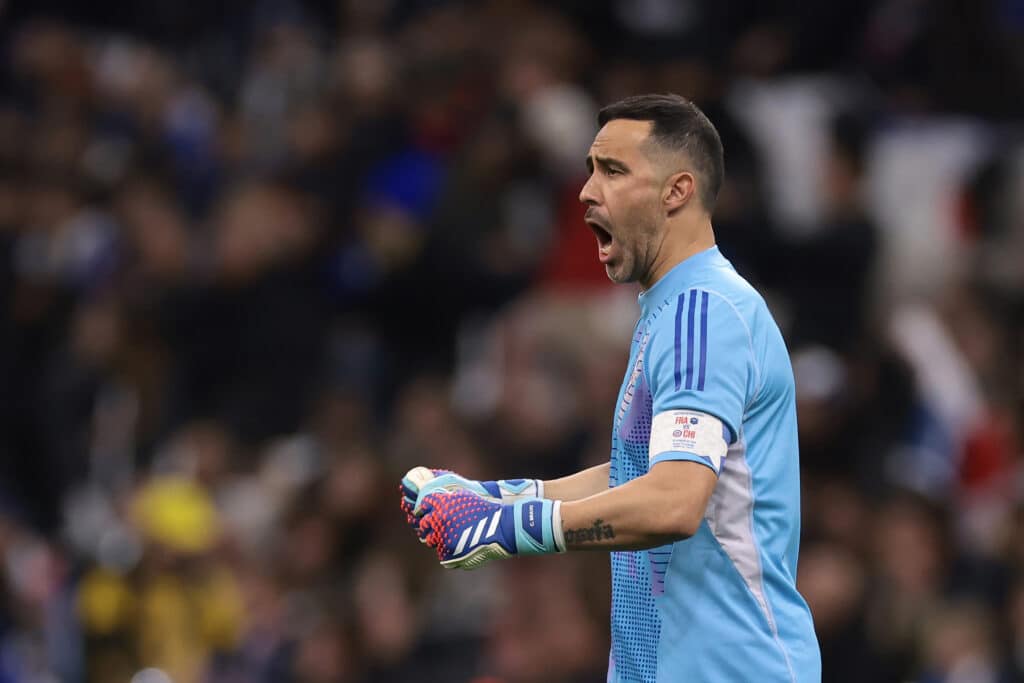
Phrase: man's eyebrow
(605, 162)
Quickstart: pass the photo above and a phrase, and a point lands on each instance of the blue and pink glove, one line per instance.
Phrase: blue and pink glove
(420, 481)
(468, 530)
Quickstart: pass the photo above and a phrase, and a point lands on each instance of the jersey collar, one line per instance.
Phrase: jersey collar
(679, 278)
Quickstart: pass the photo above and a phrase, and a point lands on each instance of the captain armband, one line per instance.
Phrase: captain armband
(689, 431)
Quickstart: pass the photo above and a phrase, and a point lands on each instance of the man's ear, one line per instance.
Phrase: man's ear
(679, 190)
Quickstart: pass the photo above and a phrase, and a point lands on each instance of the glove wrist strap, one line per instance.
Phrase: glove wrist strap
(511, 490)
(556, 526)
(538, 526)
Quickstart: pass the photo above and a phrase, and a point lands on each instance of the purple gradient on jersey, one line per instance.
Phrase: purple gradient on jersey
(636, 626)
(636, 423)
(635, 376)
(631, 565)
(657, 583)
(659, 559)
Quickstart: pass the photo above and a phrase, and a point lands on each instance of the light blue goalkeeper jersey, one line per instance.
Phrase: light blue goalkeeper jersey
(721, 606)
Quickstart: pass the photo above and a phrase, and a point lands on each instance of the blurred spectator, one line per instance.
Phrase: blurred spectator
(176, 608)
(827, 273)
(833, 581)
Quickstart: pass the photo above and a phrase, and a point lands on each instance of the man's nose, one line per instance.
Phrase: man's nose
(587, 194)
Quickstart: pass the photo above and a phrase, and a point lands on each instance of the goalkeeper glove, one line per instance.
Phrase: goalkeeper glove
(419, 481)
(468, 530)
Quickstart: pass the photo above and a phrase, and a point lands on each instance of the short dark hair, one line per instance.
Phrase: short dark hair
(679, 125)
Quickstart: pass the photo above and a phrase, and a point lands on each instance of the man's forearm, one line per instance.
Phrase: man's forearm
(663, 506)
(580, 485)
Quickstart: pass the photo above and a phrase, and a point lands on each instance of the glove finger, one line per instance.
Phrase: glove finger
(427, 504)
(410, 518)
(427, 523)
(414, 482)
(416, 478)
(412, 521)
(403, 496)
(407, 507)
(409, 494)
(415, 523)
(426, 531)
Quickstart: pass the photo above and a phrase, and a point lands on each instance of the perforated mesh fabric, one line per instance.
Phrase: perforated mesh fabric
(636, 626)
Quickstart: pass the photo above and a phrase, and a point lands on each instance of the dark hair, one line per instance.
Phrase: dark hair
(679, 125)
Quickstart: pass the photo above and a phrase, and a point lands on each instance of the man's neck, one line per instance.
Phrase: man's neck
(679, 245)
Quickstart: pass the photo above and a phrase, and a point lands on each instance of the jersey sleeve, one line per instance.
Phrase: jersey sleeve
(699, 365)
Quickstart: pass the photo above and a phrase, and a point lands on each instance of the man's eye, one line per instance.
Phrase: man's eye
(613, 171)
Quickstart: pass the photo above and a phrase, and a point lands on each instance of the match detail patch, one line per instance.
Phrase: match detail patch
(689, 431)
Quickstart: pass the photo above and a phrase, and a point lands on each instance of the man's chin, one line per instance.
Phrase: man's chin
(617, 274)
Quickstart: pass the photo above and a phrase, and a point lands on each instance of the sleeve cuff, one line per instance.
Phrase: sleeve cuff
(691, 457)
(556, 527)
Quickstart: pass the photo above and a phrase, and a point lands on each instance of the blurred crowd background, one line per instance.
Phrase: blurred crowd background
(257, 259)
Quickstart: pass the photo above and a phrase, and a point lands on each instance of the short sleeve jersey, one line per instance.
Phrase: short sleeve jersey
(709, 381)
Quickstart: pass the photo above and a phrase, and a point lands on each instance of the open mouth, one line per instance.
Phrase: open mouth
(604, 238)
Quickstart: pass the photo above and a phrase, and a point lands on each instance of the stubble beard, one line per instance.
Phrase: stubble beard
(637, 256)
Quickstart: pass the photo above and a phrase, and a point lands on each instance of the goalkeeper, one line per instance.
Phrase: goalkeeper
(699, 504)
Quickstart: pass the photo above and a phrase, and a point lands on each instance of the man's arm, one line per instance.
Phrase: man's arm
(419, 481)
(583, 484)
(665, 505)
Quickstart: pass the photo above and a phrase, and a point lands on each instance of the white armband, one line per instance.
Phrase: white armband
(688, 431)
